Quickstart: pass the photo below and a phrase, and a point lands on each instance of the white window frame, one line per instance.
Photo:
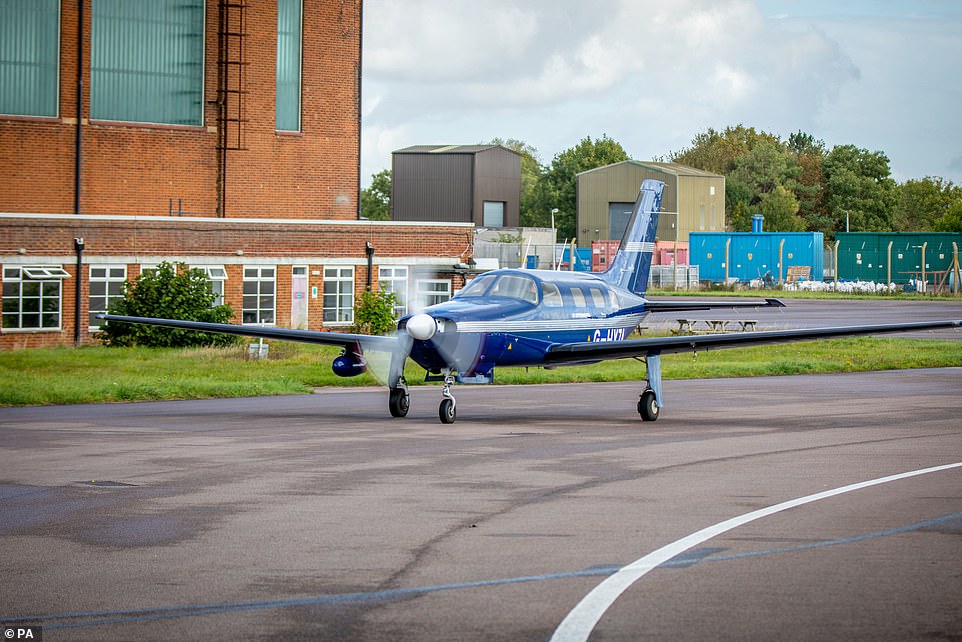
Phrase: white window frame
(115, 275)
(217, 275)
(394, 279)
(45, 276)
(339, 284)
(259, 276)
(426, 295)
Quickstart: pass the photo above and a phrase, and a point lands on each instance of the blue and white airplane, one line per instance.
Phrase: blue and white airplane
(541, 318)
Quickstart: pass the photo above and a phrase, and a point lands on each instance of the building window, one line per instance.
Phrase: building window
(147, 61)
(31, 297)
(433, 291)
(395, 281)
(619, 215)
(259, 296)
(288, 96)
(106, 288)
(30, 58)
(493, 214)
(217, 275)
(339, 295)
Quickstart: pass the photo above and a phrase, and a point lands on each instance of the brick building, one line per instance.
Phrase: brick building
(222, 134)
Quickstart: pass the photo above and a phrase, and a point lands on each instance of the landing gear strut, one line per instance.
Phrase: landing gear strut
(447, 411)
(399, 401)
(649, 405)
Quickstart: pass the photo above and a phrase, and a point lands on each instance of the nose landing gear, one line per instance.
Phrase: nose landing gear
(447, 411)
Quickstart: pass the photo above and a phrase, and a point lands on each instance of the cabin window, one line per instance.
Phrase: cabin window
(579, 298)
(516, 287)
(552, 295)
(106, 288)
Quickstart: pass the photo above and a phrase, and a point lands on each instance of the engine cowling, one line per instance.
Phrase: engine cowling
(349, 365)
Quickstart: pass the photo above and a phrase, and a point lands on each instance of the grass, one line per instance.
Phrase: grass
(94, 374)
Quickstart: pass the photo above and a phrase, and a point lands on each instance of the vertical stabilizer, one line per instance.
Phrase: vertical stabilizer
(632, 264)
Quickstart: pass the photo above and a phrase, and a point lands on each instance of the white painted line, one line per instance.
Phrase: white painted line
(581, 621)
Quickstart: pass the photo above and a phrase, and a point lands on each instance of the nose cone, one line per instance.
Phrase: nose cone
(422, 327)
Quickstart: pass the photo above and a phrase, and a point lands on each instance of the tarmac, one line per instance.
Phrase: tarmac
(320, 517)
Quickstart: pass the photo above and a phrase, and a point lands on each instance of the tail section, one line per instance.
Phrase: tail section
(632, 264)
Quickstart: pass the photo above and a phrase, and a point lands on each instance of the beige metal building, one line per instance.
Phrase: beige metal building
(607, 194)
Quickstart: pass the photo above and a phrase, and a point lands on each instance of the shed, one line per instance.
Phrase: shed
(478, 184)
(693, 200)
(750, 255)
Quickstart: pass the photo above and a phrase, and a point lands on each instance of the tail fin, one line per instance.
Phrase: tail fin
(632, 264)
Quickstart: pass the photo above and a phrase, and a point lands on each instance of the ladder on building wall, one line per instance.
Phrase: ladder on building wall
(231, 89)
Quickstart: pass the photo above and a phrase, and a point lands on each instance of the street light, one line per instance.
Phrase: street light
(554, 237)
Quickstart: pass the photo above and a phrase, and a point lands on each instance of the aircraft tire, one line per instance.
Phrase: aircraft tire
(447, 412)
(399, 402)
(647, 406)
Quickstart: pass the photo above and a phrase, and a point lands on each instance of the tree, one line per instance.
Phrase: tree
(952, 221)
(858, 184)
(376, 199)
(531, 171)
(780, 208)
(170, 292)
(714, 151)
(557, 187)
(924, 202)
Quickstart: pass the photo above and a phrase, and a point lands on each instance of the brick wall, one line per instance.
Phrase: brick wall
(234, 243)
(137, 169)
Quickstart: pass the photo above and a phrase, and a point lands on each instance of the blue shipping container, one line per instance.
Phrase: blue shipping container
(753, 255)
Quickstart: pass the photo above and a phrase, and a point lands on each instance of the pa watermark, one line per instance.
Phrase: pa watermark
(21, 632)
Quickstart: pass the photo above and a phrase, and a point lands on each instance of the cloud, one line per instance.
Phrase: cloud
(650, 74)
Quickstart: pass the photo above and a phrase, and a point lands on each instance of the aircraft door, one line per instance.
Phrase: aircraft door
(299, 280)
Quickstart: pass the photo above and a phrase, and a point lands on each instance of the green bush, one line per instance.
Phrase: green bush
(170, 292)
(374, 312)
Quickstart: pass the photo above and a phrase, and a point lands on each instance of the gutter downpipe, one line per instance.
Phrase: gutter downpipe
(78, 246)
(78, 151)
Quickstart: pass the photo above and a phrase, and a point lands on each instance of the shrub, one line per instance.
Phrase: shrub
(170, 292)
(374, 312)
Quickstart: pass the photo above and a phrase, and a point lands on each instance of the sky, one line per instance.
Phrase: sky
(883, 75)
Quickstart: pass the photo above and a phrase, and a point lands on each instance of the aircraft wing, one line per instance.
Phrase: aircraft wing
(689, 306)
(366, 341)
(589, 351)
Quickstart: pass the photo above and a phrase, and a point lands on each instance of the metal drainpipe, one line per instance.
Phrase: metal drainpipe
(78, 246)
(369, 249)
(78, 151)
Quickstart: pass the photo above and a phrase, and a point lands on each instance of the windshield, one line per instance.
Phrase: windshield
(477, 287)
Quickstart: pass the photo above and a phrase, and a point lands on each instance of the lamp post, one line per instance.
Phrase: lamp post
(554, 237)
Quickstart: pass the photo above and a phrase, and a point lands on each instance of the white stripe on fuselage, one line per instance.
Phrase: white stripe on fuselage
(590, 325)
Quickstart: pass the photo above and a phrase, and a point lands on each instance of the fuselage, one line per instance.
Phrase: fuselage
(510, 317)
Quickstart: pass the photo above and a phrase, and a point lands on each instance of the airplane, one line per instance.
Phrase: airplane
(547, 318)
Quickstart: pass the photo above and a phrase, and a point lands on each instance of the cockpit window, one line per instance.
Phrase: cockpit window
(514, 286)
(478, 286)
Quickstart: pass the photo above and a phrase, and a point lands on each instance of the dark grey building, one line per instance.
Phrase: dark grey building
(478, 184)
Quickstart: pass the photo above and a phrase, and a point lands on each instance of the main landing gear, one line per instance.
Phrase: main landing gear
(649, 405)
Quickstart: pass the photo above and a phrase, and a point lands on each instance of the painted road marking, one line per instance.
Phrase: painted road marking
(581, 621)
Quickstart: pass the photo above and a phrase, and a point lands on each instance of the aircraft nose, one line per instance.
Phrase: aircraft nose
(422, 326)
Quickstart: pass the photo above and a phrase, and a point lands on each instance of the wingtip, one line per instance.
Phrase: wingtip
(775, 303)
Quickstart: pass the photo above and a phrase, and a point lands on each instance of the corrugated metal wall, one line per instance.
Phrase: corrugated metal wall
(699, 200)
(498, 178)
(751, 255)
(432, 187)
(865, 256)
